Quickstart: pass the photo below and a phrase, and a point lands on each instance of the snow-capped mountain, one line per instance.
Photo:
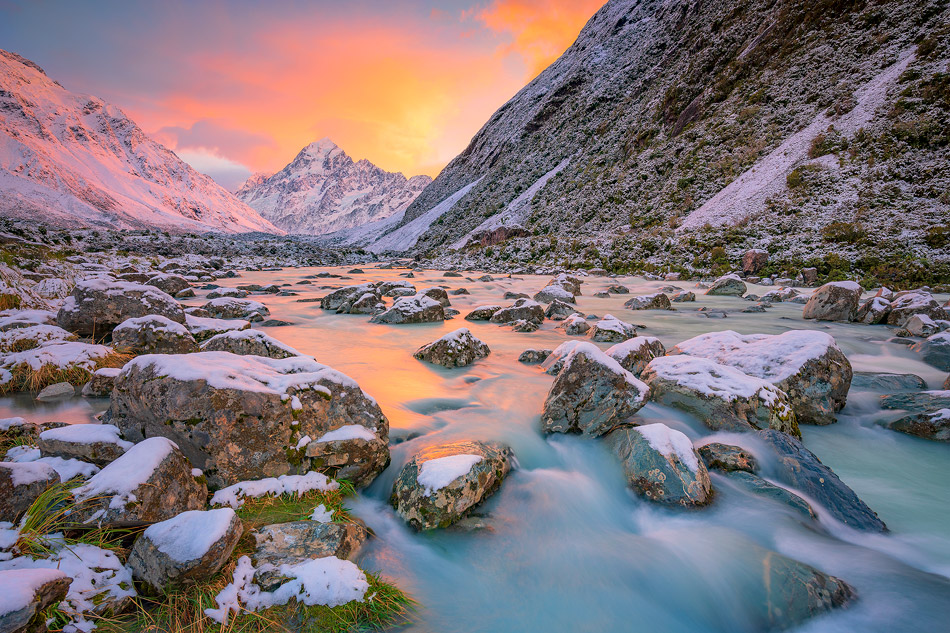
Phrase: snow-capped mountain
(73, 160)
(323, 190)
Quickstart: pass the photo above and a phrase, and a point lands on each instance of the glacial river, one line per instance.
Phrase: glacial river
(564, 546)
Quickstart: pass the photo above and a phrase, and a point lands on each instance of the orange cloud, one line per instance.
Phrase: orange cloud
(542, 29)
(406, 93)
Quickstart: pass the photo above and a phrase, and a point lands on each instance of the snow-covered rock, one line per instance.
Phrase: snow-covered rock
(189, 547)
(904, 306)
(574, 325)
(521, 309)
(97, 305)
(728, 286)
(235, 308)
(440, 484)
(835, 301)
(96, 443)
(243, 417)
(415, 309)
(482, 313)
(296, 542)
(655, 301)
(20, 485)
(610, 329)
(26, 595)
(661, 465)
(634, 354)
(591, 394)
(152, 481)
(248, 342)
(807, 365)
(455, 349)
(152, 334)
(203, 328)
(721, 396)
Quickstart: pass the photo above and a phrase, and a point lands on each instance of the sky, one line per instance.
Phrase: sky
(237, 87)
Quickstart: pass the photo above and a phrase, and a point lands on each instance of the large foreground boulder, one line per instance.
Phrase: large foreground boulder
(152, 334)
(803, 471)
(592, 394)
(248, 417)
(96, 306)
(455, 349)
(722, 397)
(835, 301)
(661, 465)
(441, 484)
(151, 482)
(187, 548)
(807, 365)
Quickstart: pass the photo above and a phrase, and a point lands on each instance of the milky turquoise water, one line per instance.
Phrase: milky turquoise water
(566, 547)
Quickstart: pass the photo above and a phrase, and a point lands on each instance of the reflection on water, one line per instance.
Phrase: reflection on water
(568, 547)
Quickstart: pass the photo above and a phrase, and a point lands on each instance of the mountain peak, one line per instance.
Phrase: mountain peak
(321, 147)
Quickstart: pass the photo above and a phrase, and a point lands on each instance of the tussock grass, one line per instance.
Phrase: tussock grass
(25, 378)
(257, 512)
(10, 301)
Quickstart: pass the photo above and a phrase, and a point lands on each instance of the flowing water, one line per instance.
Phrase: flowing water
(566, 547)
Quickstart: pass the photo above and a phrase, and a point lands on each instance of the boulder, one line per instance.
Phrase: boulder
(27, 594)
(727, 286)
(97, 305)
(57, 391)
(888, 383)
(152, 334)
(203, 328)
(20, 484)
(441, 484)
(152, 481)
(728, 458)
(661, 465)
(512, 296)
(234, 308)
(835, 301)
(101, 382)
(807, 365)
(455, 349)
(921, 325)
(684, 296)
(247, 417)
(800, 469)
(655, 301)
(438, 294)
(554, 363)
(634, 354)
(185, 549)
(534, 356)
(574, 325)
(935, 350)
(248, 343)
(591, 394)
(338, 298)
(618, 289)
(905, 306)
(760, 486)
(610, 329)
(554, 292)
(169, 283)
(98, 444)
(415, 309)
(299, 541)
(521, 309)
(523, 325)
(754, 260)
(482, 313)
(780, 295)
(873, 311)
(237, 293)
(722, 397)
(917, 402)
(932, 425)
(559, 310)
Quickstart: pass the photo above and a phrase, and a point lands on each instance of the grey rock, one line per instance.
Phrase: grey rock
(455, 349)
(96, 306)
(21, 484)
(58, 391)
(299, 541)
(153, 334)
(836, 301)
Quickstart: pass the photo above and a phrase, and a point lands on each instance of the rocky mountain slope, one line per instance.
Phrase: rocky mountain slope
(323, 190)
(679, 133)
(73, 160)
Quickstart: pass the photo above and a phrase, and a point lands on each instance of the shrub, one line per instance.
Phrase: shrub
(938, 236)
(844, 232)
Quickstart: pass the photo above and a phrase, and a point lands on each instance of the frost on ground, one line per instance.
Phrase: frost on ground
(235, 494)
(327, 581)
